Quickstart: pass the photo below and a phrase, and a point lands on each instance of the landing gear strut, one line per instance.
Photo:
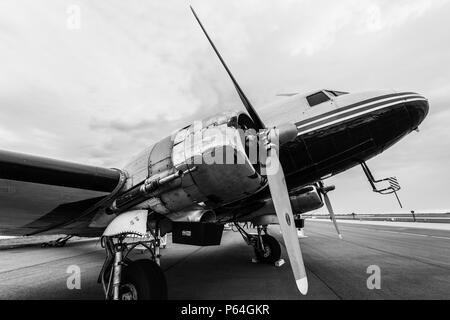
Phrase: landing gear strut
(267, 248)
(60, 242)
(123, 279)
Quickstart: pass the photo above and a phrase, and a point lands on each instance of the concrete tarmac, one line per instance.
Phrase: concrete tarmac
(414, 264)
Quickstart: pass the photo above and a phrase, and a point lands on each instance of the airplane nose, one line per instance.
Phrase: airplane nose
(418, 110)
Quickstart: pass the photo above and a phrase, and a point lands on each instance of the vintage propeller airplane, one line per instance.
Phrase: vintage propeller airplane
(272, 175)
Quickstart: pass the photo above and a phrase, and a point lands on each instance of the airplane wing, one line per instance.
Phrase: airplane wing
(41, 195)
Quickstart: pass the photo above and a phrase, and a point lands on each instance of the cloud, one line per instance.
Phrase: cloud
(379, 15)
(136, 71)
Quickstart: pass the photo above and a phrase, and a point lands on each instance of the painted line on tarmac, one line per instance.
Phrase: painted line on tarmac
(395, 232)
(408, 233)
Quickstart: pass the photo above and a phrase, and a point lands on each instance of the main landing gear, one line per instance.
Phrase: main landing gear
(267, 248)
(60, 242)
(124, 279)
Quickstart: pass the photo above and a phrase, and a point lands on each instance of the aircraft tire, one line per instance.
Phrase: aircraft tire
(272, 251)
(143, 280)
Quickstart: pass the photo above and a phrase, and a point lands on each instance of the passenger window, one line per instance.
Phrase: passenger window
(317, 98)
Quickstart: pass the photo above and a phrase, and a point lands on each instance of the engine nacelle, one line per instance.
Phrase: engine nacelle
(215, 156)
(212, 155)
(305, 200)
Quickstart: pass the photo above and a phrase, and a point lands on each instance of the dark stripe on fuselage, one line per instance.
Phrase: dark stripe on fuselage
(336, 148)
(27, 168)
(342, 114)
(354, 105)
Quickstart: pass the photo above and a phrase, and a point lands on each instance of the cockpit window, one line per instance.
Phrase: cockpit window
(317, 98)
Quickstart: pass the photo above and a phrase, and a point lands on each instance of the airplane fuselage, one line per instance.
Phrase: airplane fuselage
(350, 129)
(333, 136)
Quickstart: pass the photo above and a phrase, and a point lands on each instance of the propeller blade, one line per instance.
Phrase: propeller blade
(331, 211)
(251, 111)
(282, 204)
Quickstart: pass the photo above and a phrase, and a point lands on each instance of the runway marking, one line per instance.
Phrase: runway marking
(396, 232)
(446, 238)
(415, 234)
(408, 233)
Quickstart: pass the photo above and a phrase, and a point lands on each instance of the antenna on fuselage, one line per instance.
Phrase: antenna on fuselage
(287, 94)
(251, 111)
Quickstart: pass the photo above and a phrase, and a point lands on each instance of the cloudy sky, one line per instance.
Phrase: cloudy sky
(96, 81)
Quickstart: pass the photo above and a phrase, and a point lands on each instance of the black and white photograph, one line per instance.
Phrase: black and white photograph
(242, 152)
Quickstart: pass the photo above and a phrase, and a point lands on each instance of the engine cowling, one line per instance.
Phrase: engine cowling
(215, 155)
(305, 200)
(212, 155)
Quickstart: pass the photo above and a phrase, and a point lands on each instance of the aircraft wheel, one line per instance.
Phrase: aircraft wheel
(272, 250)
(143, 280)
